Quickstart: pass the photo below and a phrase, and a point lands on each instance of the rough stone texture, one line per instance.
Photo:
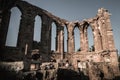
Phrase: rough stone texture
(104, 58)
(15, 66)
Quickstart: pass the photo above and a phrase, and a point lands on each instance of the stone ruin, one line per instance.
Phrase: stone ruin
(99, 64)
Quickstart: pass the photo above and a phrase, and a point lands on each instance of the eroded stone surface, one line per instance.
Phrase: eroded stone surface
(98, 63)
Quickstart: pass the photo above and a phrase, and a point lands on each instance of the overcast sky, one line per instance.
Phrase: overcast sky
(82, 9)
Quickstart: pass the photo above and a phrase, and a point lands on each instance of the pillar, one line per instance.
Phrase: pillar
(105, 28)
(60, 39)
(46, 34)
(85, 41)
(103, 31)
(96, 36)
(80, 26)
(83, 37)
(26, 31)
(81, 40)
(5, 18)
(71, 44)
(98, 41)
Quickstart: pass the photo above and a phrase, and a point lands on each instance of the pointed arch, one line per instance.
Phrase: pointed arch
(65, 38)
(53, 36)
(13, 29)
(37, 29)
(77, 38)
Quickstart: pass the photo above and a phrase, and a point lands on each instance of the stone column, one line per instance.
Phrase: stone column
(98, 41)
(85, 41)
(105, 28)
(81, 40)
(60, 39)
(26, 31)
(80, 26)
(71, 44)
(83, 37)
(46, 34)
(57, 39)
(96, 36)
(5, 18)
(103, 31)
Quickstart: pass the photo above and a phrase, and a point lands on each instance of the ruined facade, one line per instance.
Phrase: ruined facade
(104, 52)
